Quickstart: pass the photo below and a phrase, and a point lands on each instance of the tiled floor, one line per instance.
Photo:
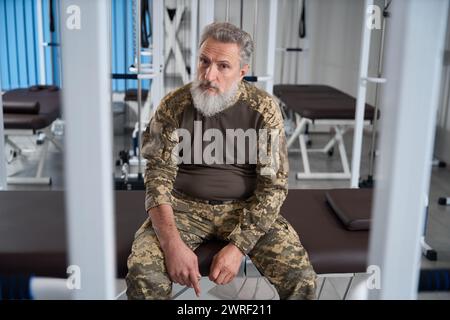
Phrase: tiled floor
(437, 235)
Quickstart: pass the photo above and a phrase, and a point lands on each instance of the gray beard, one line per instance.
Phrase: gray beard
(210, 105)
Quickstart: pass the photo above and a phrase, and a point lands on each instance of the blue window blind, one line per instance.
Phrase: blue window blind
(122, 43)
(19, 47)
(19, 50)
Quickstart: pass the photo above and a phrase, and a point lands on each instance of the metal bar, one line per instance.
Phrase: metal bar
(304, 151)
(3, 172)
(179, 293)
(321, 288)
(271, 45)
(255, 34)
(11, 143)
(375, 117)
(361, 98)
(347, 289)
(89, 184)
(342, 151)
(299, 13)
(43, 156)
(194, 44)
(300, 125)
(265, 78)
(157, 91)
(58, 47)
(52, 75)
(40, 31)
(410, 99)
(138, 23)
(29, 180)
(323, 175)
(227, 11)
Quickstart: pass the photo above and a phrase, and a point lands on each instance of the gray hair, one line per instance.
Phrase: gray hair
(229, 33)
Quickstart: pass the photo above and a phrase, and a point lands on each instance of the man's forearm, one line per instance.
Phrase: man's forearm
(163, 222)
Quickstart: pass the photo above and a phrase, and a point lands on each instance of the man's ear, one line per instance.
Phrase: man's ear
(244, 70)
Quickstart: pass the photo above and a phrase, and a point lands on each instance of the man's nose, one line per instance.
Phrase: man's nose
(211, 73)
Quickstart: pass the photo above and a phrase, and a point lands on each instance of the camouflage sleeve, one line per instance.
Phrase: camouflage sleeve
(158, 141)
(272, 183)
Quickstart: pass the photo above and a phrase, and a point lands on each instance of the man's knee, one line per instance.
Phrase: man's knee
(147, 280)
(298, 283)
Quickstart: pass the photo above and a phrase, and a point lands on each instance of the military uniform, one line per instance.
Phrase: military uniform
(236, 202)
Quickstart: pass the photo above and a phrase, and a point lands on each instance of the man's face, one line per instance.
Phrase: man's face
(219, 66)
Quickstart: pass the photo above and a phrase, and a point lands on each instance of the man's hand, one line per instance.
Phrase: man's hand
(182, 265)
(226, 264)
(181, 261)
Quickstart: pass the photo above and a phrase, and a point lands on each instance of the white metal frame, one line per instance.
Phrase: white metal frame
(153, 71)
(340, 127)
(410, 100)
(40, 25)
(47, 138)
(271, 45)
(89, 184)
(172, 43)
(3, 172)
(157, 88)
(361, 98)
(351, 277)
(194, 32)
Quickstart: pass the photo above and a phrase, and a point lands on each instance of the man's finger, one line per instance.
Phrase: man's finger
(187, 280)
(194, 283)
(223, 274)
(173, 279)
(180, 281)
(214, 273)
(228, 278)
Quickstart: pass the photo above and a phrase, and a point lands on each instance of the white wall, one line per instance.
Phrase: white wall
(335, 39)
(442, 142)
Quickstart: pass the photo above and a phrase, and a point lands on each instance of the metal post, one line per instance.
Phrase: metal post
(138, 33)
(86, 53)
(376, 102)
(194, 44)
(3, 172)
(40, 32)
(255, 25)
(299, 14)
(361, 98)
(58, 47)
(241, 14)
(413, 70)
(271, 44)
(227, 11)
(157, 91)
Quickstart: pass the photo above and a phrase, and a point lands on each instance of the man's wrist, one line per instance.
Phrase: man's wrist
(236, 248)
(171, 244)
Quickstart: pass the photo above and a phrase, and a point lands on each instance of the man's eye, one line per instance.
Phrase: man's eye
(223, 66)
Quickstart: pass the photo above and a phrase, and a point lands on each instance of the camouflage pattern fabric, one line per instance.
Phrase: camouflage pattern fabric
(278, 254)
(160, 139)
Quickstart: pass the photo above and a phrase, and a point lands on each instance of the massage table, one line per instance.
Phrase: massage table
(320, 104)
(33, 231)
(27, 111)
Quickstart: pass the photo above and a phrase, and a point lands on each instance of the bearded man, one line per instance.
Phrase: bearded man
(195, 200)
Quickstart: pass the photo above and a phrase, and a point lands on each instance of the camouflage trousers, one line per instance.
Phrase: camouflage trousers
(278, 254)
